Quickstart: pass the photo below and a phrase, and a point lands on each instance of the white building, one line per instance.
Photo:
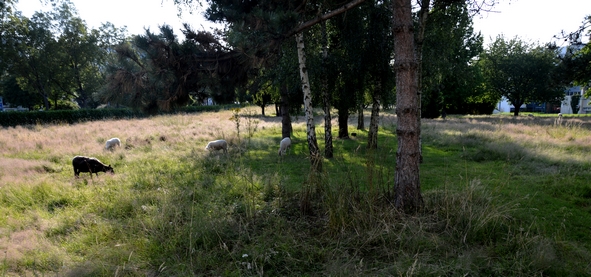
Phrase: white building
(584, 106)
(504, 106)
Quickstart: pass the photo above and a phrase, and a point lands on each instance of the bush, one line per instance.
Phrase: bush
(12, 118)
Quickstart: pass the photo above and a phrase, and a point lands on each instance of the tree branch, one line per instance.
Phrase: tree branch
(323, 17)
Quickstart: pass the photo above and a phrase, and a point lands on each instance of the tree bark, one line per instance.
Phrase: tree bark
(372, 136)
(285, 117)
(310, 127)
(517, 104)
(343, 123)
(420, 39)
(328, 149)
(360, 118)
(407, 182)
(324, 17)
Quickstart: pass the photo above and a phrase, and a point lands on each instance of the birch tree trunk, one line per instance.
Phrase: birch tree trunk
(407, 183)
(310, 127)
(328, 149)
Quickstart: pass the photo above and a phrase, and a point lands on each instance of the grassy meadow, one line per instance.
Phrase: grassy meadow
(503, 196)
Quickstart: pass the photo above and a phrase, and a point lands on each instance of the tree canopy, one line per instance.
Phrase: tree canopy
(521, 72)
(53, 58)
(451, 80)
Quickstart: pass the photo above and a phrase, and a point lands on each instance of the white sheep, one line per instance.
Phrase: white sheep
(284, 145)
(112, 143)
(217, 145)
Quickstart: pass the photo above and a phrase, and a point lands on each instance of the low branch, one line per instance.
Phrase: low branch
(323, 17)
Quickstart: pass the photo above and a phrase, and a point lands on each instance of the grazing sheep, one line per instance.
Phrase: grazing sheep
(217, 145)
(284, 145)
(89, 164)
(112, 143)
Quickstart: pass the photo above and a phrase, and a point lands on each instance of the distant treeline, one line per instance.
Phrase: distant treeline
(16, 118)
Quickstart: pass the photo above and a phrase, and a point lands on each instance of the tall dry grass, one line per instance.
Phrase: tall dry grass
(568, 140)
(221, 205)
(24, 149)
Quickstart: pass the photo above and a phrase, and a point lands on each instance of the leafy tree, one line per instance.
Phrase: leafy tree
(157, 72)
(6, 13)
(16, 96)
(378, 56)
(346, 52)
(575, 63)
(285, 76)
(54, 55)
(79, 58)
(32, 54)
(522, 73)
(451, 80)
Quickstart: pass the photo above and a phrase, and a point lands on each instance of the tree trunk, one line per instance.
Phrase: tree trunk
(328, 149)
(285, 117)
(407, 187)
(360, 119)
(310, 127)
(343, 124)
(517, 106)
(420, 39)
(372, 136)
(41, 90)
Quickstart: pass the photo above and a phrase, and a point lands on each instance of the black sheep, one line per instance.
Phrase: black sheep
(92, 165)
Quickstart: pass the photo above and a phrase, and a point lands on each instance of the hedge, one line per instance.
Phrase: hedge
(16, 118)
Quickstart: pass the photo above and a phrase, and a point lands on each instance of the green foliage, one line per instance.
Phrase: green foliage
(12, 118)
(574, 65)
(451, 81)
(522, 73)
(157, 72)
(53, 58)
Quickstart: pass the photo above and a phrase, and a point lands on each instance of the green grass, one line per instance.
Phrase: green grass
(503, 198)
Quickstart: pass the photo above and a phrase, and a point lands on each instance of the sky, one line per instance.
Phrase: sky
(135, 14)
(534, 21)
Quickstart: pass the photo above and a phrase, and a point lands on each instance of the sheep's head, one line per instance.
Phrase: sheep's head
(109, 169)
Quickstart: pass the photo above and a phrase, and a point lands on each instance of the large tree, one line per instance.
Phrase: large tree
(378, 53)
(450, 79)
(158, 72)
(33, 55)
(408, 188)
(54, 55)
(575, 58)
(310, 127)
(521, 72)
